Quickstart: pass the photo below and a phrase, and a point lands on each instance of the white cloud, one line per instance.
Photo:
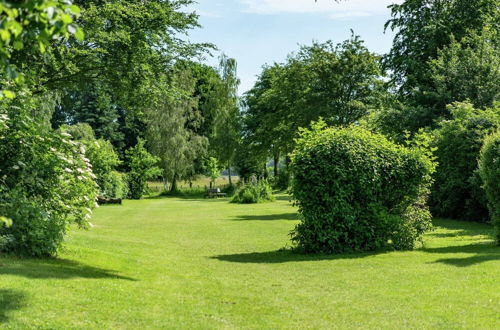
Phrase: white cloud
(342, 9)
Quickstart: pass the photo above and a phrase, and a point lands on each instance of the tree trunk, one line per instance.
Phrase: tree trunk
(173, 187)
(229, 173)
(287, 162)
(276, 163)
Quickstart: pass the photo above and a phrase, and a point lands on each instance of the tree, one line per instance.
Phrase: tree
(32, 24)
(423, 29)
(170, 137)
(213, 170)
(226, 130)
(142, 167)
(340, 83)
(468, 70)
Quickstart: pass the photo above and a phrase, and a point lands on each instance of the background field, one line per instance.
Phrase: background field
(187, 263)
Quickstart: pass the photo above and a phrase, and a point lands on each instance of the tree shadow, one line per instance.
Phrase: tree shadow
(284, 256)
(10, 300)
(481, 253)
(56, 269)
(268, 217)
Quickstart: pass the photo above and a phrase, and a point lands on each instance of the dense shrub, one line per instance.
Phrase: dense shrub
(457, 191)
(102, 157)
(142, 167)
(357, 191)
(255, 192)
(489, 168)
(46, 183)
(115, 185)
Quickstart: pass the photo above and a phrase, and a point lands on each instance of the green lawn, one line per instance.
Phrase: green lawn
(181, 263)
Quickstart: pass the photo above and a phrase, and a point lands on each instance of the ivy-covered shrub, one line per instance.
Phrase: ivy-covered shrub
(489, 168)
(46, 183)
(255, 192)
(142, 167)
(457, 191)
(357, 191)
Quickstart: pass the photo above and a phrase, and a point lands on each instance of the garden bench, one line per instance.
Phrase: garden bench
(214, 193)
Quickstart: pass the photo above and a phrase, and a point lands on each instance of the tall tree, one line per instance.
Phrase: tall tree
(170, 137)
(424, 28)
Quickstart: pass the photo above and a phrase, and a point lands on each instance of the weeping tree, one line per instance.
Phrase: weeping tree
(225, 136)
(172, 140)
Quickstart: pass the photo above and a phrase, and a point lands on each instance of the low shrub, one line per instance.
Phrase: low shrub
(251, 193)
(489, 169)
(357, 191)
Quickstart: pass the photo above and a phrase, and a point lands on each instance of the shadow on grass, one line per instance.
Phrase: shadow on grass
(9, 300)
(55, 268)
(481, 253)
(268, 217)
(283, 256)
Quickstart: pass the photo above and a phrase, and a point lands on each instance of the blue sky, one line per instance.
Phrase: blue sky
(255, 32)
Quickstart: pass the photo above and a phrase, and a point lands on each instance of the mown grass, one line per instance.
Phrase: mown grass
(196, 263)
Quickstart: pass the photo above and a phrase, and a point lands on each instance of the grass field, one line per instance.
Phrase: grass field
(193, 264)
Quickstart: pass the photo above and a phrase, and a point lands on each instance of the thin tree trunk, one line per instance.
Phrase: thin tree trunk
(229, 173)
(276, 163)
(173, 187)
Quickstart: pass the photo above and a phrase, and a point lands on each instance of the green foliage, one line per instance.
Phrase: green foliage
(213, 170)
(457, 191)
(172, 124)
(142, 168)
(489, 168)
(357, 191)
(115, 185)
(34, 24)
(340, 83)
(46, 184)
(422, 29)
(254, 192)
(101, 155)
(468, 71)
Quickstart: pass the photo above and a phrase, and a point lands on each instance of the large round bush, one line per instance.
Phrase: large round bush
(357, 191)
(489, 168)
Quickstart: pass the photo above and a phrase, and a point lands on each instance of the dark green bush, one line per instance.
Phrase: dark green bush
(357, 191)
(457, 191)
(489, 168)
(256, 192)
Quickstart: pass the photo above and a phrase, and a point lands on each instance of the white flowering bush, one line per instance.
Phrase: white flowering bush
(46, 184)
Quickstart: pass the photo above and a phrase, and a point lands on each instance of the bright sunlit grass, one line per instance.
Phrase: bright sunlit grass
(184, 263)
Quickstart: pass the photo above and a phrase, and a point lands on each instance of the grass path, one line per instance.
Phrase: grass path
(181, 263)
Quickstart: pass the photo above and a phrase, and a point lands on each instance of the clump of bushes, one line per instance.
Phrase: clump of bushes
(457, 191)
(357, 191)
(254, 192)
(46, 183)
(489, 168)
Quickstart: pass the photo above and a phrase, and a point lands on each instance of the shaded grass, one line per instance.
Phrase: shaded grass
(202, 263)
